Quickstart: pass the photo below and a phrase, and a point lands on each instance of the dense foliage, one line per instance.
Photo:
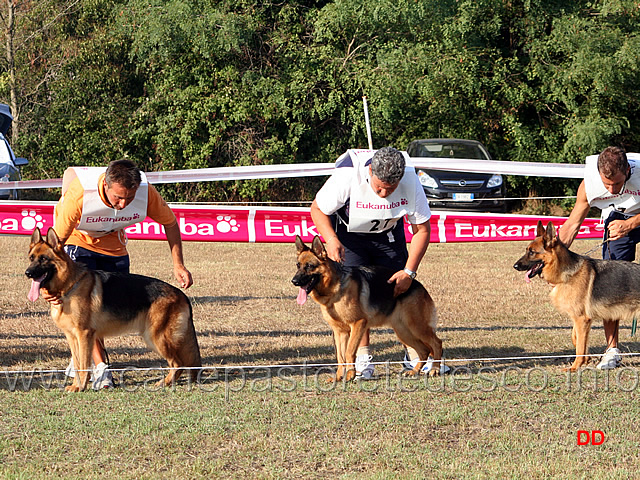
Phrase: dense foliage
(176, 84)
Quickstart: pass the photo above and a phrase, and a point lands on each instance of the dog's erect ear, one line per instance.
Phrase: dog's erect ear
(551, 230)
(317, 247)
(52, 239)
(300, 246)
(36, 237)
(550, 238)
(540, 229)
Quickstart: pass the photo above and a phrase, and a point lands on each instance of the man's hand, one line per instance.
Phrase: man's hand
(183, 276)
(619, 228)
(402, 281)
(335, 249)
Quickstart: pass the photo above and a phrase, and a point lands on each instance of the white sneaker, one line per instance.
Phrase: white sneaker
(364, 367)
(410, 365)
(103, 377)
(610, 360)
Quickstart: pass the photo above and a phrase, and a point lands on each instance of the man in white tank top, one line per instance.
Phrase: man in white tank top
(612, 184)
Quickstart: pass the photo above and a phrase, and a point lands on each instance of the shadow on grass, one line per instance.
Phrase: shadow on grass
(26, 315)
(519, 357)
(292, 360)
(230, 299)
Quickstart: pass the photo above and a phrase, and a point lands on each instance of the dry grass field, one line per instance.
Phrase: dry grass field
(508, 412)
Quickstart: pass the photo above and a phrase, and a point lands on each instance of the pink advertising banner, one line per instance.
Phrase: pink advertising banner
(212, 223)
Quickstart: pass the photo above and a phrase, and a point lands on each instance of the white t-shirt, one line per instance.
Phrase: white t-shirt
(348, 183)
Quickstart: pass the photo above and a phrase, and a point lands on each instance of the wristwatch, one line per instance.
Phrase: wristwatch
(411, 273)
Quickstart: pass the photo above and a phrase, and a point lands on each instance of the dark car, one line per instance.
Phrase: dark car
(479, 191)
(9, 163)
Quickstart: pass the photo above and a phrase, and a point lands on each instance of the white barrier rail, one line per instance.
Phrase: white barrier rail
(539, 169)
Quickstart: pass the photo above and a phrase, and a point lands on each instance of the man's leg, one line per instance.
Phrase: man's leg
(621, 249)
(386, 249)
(95, 261)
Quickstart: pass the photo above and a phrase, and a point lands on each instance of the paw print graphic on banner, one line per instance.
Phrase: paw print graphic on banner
(31, 220)
(226, 224)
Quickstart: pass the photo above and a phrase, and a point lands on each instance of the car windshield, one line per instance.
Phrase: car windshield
(447, 150)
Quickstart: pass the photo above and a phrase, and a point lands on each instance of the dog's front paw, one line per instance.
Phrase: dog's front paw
(72, 388)
(575, 366)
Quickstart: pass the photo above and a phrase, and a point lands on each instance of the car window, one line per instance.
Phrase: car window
(457, 150)
(452, 150)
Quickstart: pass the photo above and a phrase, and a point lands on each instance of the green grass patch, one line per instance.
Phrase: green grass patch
(516, 417)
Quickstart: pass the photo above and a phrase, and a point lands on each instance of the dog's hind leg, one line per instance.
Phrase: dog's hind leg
(189, 352)
(179, 356)
(418, 332)
(422, 346)
(581, 328)
(164, 345)
(172, 335)
(435, 345)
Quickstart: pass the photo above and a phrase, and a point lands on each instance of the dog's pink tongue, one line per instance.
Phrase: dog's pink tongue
(34, 293)
(526, 276)
(302, 296)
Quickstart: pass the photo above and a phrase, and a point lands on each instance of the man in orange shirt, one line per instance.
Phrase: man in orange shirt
(90, 218)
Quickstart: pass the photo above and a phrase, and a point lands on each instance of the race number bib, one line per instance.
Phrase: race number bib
(369, 213)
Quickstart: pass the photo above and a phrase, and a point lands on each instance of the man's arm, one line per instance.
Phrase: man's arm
(322, 221)
(175, 244)
(418, 247)
(571, 227)
(68, 211)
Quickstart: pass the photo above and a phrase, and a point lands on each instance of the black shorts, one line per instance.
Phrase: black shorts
(98, 261)
(624, 248)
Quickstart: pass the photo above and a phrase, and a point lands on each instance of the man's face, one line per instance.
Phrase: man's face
(380, 188)
(118, 196)
(615, 183)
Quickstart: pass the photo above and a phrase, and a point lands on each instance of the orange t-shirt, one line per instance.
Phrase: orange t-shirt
(69, 210)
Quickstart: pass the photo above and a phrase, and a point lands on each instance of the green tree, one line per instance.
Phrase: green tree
(178, 84)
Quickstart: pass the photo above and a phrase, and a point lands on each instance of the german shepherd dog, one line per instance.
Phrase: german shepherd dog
(98, 304)
(353, 299)
(584, 288)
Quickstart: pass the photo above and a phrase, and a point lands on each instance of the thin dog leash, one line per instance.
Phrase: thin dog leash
(597, 247)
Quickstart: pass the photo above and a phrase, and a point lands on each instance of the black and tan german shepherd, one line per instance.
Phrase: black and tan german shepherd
(97, 303)
(584, 288)
(353, 299)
